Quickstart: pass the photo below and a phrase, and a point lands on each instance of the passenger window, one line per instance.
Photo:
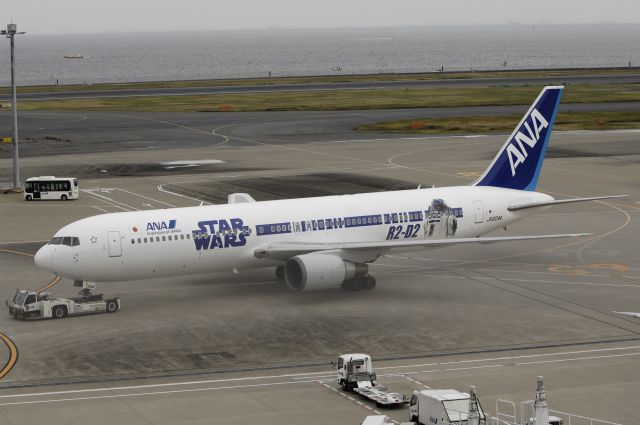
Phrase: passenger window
(139, 240)
(157, 238)
(188, 236)
(145, 240)
(181, 236)
(133, 241)
(164, 238)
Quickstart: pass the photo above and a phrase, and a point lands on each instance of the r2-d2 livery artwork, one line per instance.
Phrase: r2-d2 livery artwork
(442, 221)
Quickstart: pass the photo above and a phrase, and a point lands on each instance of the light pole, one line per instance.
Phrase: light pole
(12, 30)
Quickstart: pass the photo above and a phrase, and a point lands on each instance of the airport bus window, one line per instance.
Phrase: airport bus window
(75, 182)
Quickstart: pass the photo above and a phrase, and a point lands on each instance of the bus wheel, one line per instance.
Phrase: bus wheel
(28, 197)
(63, 197)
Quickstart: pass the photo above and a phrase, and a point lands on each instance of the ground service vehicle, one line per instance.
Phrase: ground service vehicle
(442, 407)
(51, 187)
(355, 373)
(27, 304)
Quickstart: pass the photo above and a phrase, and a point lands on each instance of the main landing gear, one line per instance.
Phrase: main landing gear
(360, 281)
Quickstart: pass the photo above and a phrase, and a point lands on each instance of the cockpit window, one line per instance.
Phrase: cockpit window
(65, 240)
(56, 241)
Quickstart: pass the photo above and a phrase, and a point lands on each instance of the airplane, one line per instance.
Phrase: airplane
(315, 243)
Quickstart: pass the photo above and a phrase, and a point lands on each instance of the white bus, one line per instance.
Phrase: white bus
(51, 187)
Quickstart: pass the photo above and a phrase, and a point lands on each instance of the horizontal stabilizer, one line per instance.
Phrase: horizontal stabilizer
(286, 250)
(628, 313)
(239, 198)
(517, 207)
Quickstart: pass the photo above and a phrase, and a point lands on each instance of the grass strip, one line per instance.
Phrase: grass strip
(325, 79)
(332, 100)
(489, 124)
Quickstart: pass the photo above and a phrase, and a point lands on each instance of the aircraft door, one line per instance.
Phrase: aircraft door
(478, 211)
(115, 244)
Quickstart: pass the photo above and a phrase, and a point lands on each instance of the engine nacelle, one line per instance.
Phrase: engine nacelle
(312, 272)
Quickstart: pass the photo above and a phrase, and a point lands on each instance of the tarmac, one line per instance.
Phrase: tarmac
(238, 348)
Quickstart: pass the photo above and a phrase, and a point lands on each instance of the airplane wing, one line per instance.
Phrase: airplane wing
(286, 250)
(517, 207)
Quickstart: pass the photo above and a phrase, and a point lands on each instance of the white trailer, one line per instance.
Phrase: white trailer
(381, 420)
(355, 373)
(27, 304)
(442, 407)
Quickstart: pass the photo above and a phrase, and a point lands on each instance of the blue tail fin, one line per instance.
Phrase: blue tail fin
(518, 164)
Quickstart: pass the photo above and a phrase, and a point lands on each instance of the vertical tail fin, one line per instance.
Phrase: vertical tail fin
(518, 164)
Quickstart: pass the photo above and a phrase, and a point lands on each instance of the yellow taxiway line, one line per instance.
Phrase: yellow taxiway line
(13, 355)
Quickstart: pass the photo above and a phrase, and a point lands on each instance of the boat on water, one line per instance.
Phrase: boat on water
(74, 56)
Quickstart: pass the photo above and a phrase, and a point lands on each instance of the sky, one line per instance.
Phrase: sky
(90, 16)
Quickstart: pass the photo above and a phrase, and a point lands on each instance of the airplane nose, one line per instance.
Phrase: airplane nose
(44, 258)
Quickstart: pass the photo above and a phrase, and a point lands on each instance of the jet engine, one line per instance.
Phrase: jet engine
(312, 272)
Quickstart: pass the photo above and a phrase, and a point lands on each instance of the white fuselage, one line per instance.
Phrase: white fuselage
(167, 242)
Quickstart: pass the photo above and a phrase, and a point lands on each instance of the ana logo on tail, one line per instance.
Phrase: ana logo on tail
(518, 154)
(518, 164)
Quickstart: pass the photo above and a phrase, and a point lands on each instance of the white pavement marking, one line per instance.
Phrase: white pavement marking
(163, 190)
(472, 136)
(578, 358)
(415, 381)
(343, 395)
(190, 390)
(559, 353)
(114, 203)
(310, 379)
(146, 197)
